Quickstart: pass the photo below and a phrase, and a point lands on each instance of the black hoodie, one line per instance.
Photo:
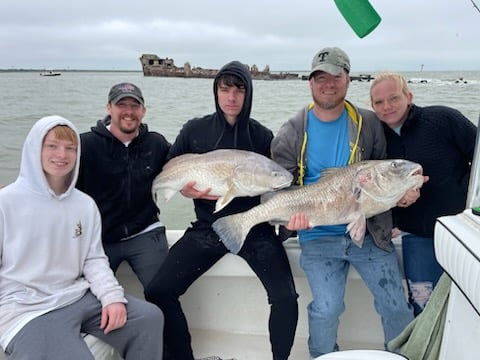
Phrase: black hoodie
(119, 178)
(204, 134)
(442, 140)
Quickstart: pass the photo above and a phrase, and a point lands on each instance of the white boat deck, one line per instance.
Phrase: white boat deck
(227, 310)
(245, 337)
(251, 347)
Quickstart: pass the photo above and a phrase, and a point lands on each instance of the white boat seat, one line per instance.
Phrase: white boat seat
(457, 249)
(361, 355)
(234, 266)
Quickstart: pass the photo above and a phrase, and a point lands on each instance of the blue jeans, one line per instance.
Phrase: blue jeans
(421, 268)
(326, 262)
(144, 253)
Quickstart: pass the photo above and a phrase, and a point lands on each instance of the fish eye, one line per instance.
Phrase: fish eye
(394, 164)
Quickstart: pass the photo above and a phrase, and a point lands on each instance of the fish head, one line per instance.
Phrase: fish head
(386, 181)
(261, 176)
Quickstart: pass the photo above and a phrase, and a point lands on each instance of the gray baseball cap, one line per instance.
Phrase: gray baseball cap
(331, 60)
(123, 90)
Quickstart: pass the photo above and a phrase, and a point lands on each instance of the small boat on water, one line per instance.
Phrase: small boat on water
(50, 73)
(361, 77)
(461, 80)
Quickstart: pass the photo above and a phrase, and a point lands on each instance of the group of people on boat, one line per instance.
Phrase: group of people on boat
(87, 198)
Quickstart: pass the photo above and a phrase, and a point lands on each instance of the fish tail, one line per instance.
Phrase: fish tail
(232, 231)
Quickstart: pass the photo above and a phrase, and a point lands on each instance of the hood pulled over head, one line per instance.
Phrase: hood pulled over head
(236, 68)
(31, 170)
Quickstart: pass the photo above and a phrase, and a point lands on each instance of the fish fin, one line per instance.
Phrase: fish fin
(232, 231)
(329, 172)
(222, 202)
(274, 222)
(227, 197)
(356, 192)
(168, 194)
(357, 229)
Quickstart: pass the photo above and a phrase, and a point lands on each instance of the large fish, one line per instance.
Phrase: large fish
(345, 195)
(228, 172)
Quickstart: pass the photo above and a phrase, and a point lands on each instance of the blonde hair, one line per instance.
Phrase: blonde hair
(64, 132)
(398, 78)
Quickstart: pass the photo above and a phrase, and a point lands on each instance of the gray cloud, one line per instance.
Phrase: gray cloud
(441, 34)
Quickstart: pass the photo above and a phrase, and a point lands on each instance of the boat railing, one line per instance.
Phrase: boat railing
(473, 198)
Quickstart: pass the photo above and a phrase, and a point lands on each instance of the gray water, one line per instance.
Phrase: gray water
(81, 97)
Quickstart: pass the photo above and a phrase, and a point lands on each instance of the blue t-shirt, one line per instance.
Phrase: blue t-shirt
(327, 146)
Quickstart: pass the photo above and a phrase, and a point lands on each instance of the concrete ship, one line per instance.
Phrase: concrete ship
(152, 65)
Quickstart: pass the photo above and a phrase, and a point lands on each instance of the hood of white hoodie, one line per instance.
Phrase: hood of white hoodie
(31, 174)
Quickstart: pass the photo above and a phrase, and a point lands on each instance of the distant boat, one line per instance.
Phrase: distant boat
(360, 77)
(50, 73)
(417, 81)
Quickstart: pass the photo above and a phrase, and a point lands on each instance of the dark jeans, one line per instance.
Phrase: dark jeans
(194, 254)
(421, 268)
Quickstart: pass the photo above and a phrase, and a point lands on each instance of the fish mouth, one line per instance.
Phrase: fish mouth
(417, 173)
(281, 186)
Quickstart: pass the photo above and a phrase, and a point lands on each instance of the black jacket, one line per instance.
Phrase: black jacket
(200, 135)
(119, 178)
(442, 140)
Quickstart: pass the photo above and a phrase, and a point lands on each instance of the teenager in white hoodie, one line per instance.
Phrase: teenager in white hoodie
(55, 280)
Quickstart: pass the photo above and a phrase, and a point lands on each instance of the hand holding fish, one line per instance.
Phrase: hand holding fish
(411, 195)
(396, 232)
(189, 191)
(299, 221)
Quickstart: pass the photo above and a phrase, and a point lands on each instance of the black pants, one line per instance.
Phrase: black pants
(194, 254)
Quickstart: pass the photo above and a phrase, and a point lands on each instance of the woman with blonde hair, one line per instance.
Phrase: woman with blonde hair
(442, 140)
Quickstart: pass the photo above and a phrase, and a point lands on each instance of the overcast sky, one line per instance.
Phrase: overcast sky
(111, 35)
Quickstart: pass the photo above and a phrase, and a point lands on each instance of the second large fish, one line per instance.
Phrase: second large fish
(228, 172)
(346, 195)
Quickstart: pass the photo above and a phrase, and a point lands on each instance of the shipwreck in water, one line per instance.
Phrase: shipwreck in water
(152, 65)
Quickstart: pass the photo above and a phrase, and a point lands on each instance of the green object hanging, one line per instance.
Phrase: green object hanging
(360, 15)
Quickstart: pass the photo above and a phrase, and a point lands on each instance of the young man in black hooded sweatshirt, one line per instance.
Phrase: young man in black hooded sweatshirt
(230, 127)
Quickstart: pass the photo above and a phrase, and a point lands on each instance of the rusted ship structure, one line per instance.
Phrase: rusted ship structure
(152, 65)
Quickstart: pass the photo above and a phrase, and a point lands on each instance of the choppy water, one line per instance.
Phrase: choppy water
(81, 97)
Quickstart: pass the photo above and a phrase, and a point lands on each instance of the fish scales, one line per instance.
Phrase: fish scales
(317, 201)
(347, 195)
(229, 173)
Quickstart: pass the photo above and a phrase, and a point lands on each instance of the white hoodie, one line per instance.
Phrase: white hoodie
(50, 245)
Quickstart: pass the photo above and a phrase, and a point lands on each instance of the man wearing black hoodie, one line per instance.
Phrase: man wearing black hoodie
(230, 127)
(120, 158)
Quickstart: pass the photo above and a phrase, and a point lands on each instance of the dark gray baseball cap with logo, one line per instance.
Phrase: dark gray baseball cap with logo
(123, 90)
